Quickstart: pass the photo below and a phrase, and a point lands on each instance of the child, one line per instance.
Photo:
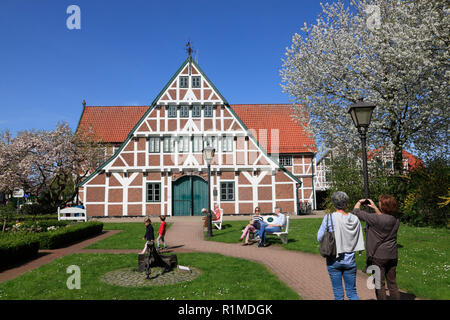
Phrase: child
(161, 232)
(149, 234)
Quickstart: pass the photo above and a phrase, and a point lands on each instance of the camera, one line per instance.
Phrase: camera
(365, 202)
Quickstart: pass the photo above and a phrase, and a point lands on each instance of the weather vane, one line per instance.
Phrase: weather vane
(189, 49)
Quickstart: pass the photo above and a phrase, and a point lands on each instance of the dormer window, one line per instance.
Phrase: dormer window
(196, 82)
(184, 82)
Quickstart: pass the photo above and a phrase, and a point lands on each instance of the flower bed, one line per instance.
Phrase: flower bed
(17, 246)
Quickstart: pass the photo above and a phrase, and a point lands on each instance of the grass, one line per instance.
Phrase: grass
(129, 238)
(423, 268)
(222, 278)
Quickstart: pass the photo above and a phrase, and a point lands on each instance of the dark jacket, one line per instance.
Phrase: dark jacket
(381, 235)
(149, 233)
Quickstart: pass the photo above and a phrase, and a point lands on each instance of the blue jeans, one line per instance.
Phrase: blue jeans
(337, 271)
(265, 228)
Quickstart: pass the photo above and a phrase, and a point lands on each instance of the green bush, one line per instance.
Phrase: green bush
(35, 226)
(424, 189)
(15, 247)
(69, 234)
(35, 209)
(421, 193)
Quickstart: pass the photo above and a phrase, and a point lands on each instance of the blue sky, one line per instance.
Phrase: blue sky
(126, 51)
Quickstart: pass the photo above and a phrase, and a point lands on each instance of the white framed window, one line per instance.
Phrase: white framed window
(184, 112)
(196, 111)
(285, 160)
(153, 144)
(172, 111)
(196, 82)
(153, 192)
(227, 191)
(184, 82)
(183, 144)
(208, 111)
(197, 144)
(210, 141)
(227, 144)
(169, 144)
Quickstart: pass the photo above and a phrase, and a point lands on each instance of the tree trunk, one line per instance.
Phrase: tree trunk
(398, 159)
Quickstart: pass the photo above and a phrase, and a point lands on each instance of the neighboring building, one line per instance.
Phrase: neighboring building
(156, 166)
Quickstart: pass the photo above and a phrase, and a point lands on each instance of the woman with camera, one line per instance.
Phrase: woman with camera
(348, 239)
(381, 241)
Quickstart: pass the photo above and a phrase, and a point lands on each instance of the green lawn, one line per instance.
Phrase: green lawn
(129, 238)
(423, 268)
(222, 278)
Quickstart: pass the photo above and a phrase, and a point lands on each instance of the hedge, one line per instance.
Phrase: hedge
(21, 218)
(44, 224)
(70, 234)
(15, 247)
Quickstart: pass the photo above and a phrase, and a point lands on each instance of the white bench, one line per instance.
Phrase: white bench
(72, 214)
(283, 234)
(218, 223)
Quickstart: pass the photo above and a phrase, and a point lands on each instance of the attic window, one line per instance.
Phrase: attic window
(196, 82)
(286, 160)
(184, 82)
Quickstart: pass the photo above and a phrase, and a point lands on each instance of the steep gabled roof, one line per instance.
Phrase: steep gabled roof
(113, 124)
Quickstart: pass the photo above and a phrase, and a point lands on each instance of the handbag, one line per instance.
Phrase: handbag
(327, 246)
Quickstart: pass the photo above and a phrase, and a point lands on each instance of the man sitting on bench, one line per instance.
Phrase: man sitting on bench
(276, 226)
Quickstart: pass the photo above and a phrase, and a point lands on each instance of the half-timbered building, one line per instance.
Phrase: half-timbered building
(155, 163)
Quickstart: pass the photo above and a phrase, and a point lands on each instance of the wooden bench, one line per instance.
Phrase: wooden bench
(283, 234)
(72, 213)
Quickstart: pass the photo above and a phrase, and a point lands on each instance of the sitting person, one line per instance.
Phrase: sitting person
(254, 224)
(215, 215)
(79, 205)
(278, 223)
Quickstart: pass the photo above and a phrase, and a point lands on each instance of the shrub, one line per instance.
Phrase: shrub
(15, 247)
(425, 187)
(35, 209)
(69, 234)
(34, 226)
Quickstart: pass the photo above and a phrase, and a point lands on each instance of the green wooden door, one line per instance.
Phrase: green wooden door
(190, 195)
(199, 195)
(182, 198)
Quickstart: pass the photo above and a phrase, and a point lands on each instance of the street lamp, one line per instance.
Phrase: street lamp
(361, 113)
(208, 154)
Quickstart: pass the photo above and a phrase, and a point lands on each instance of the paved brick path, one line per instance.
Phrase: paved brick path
(305, 273)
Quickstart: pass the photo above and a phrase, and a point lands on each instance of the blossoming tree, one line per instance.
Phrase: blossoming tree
(48, 162)
(392, 53)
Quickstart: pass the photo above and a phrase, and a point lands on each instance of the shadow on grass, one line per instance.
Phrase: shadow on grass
(21, 262)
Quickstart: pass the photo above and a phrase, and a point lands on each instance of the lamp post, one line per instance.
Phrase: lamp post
(361, 113)
(208, 154)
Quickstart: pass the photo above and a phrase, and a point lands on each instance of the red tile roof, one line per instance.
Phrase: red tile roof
(264, 119)
(113, 124)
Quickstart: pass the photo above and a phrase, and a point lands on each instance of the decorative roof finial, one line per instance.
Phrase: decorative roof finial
(84, 103)
(189, 48)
